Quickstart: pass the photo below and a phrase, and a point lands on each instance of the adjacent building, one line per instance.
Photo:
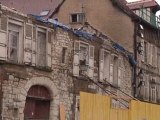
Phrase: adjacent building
(146, 50)
(107, 17)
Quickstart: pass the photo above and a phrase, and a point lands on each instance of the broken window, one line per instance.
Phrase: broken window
(41, 48)
(78, 17)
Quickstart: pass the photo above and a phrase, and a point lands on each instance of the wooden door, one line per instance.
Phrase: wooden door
(37, 105)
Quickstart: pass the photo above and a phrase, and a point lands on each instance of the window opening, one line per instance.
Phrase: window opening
(41, 49)
(78, 17)
(13, 45)
(106, 66)
(63, 54)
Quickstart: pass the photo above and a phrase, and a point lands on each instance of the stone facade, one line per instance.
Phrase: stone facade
(59, 78)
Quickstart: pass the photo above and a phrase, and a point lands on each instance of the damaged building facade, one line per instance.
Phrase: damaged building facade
(134, 25)
(45, 64)
(146, 84)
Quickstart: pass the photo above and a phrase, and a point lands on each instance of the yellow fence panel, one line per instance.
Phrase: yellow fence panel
(113, 114)
(98, 107)
(94, 107)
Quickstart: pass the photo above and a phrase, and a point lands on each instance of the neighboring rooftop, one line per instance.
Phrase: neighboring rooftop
(32, 6)
(144, 3)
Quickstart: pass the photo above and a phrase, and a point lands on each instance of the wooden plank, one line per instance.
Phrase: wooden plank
(62, 112)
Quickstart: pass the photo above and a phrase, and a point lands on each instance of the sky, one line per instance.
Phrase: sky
(138, 0)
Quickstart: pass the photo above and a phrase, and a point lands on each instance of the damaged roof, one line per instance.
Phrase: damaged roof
(32, 6)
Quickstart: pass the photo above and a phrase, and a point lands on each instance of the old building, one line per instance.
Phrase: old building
(34, 84)
(45, 64)
(146, 50)
(114, 22)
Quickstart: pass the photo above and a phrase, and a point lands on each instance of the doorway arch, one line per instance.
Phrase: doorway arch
(37, 104)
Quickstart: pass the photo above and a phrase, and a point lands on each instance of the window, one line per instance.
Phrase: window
(63, 54)
(114, 70)
(153, 89)
(41, 48)
(13, 45)
(145, 52)
(77, 17)
(146, 87)
(83, 62)
(15, 38)
(84, 58)
(83, 54)
(106, 66)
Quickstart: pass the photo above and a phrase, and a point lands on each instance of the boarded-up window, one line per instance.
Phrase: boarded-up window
(41, 49)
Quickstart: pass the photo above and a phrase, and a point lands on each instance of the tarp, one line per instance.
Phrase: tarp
(79, 33)
(132, 60)
(82, 33)
(119, 47)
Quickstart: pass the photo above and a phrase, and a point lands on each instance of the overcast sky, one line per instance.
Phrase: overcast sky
(138, 0)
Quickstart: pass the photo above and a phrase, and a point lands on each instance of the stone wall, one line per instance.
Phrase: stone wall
(18, 79)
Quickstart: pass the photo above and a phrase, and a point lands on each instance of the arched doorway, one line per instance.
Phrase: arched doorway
(37, 105)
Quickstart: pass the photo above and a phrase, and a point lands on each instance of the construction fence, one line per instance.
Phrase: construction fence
(98, 107)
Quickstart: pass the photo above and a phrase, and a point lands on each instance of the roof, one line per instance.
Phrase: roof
(144, 3)
(32, 6)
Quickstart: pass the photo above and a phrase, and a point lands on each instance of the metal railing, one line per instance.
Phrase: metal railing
(148, 16)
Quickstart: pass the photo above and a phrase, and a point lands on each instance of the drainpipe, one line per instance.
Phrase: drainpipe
(135, 55)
